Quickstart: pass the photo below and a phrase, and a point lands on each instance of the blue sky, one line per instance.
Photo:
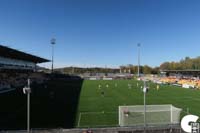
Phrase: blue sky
(102, 32)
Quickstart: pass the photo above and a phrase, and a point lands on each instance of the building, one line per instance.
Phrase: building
(15, 59)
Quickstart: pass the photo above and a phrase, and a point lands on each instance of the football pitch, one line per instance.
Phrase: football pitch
(100, 99)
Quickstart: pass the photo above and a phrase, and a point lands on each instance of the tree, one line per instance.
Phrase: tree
(165, 66)
(155, 70)
(183, 64)
(147, 69)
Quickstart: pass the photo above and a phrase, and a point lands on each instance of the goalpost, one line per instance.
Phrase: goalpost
(155, 115)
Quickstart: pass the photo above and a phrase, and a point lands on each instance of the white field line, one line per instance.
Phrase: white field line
(185, 112)
(182, 98)
(85, 113)
(79, 120)
(190, 98)
(151, 111)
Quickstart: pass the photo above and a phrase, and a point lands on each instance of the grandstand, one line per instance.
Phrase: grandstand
(14, 67)
(184, 78)
(15, 59)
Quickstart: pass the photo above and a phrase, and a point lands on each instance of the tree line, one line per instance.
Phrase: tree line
(79, 70)
(143, 69)
(184, 64)
(132, 69)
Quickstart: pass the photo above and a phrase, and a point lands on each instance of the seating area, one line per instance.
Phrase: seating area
(10, 80)
(184, 82)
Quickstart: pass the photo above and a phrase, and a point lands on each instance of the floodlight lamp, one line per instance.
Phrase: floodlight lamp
(53, 41)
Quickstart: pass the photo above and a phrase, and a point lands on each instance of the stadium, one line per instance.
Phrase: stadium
(99, 66)
(69, 103)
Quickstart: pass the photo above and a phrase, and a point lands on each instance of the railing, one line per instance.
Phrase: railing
(157, 129)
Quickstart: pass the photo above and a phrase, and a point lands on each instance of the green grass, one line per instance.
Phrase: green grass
(96, 110)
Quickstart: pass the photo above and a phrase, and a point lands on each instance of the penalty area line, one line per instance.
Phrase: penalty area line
(79, 120)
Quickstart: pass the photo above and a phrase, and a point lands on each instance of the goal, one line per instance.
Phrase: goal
(155, 115)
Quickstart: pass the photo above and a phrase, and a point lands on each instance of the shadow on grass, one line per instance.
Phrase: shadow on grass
(53, 105)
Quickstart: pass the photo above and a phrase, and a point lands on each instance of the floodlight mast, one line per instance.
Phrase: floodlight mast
(145, 91)
(138, 45)
(53, 42)
(27, 90)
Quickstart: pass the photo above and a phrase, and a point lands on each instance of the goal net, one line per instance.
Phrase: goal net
(155, 115)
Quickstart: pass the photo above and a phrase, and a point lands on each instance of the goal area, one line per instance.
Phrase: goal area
(155, 115)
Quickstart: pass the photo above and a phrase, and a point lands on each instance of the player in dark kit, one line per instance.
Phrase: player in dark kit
(102, 93)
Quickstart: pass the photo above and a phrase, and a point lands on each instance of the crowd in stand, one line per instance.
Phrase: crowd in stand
(15, 79)
(184, 82)
(18, 79)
